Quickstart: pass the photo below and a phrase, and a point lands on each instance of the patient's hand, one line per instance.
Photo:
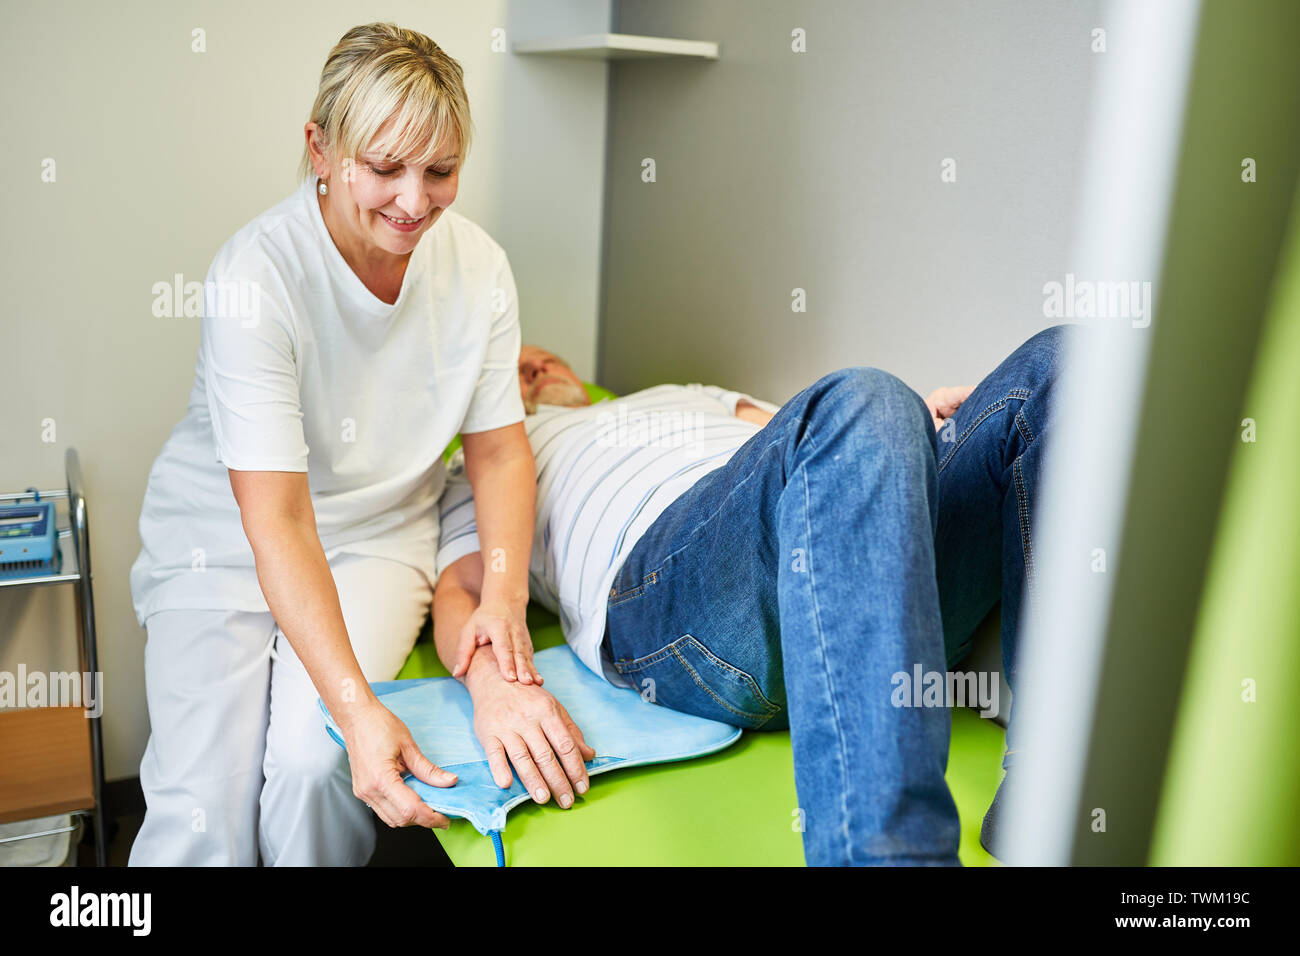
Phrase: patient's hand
(523, 725)
(750, 412)
(944, 402)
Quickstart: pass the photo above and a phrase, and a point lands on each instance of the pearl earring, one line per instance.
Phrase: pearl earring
(322, 189)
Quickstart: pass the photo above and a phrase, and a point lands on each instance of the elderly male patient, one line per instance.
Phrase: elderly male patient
(769, 568)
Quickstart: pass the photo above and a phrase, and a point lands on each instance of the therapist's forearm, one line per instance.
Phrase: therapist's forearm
(299, 589)
(504, 498)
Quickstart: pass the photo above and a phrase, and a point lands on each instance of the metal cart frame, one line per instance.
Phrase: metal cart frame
(78, 572)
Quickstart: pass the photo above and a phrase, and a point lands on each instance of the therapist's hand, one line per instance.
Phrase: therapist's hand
(524, 726)
(944, 402)
(502, 625)
(380, 750)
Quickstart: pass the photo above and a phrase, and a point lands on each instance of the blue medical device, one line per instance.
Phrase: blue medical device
(29, 541)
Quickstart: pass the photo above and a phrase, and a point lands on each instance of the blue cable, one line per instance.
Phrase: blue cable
(496, 845)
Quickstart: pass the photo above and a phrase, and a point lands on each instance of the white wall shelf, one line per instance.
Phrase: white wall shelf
(619, 46)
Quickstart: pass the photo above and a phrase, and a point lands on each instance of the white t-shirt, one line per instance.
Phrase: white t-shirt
(605, 473)
(301, 368)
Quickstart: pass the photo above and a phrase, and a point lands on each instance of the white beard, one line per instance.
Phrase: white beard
(570, 394)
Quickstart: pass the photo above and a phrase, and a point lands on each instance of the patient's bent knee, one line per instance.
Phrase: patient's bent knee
(866, 384)
(873, 399)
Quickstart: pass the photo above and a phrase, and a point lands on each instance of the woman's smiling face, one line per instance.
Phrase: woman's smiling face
(391, 202)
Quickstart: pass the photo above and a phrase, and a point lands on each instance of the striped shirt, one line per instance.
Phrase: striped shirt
(605, 472)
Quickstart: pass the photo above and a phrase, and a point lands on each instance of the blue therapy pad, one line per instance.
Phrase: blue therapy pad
(624, 729)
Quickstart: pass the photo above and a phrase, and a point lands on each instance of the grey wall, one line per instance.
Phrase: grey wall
(821, 170)
(162, 154)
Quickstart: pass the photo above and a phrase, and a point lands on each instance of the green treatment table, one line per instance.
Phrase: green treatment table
(732, 808)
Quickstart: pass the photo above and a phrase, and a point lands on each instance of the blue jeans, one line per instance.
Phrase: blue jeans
(792, 586)
(990, 467)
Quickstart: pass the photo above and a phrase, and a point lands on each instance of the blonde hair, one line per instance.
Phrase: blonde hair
(378, 71)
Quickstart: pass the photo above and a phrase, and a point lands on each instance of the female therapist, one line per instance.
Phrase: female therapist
(290, 522)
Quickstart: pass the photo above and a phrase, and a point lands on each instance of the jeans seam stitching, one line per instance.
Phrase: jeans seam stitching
(617, 598)
(1022, 424)
(641, 663)
(708, 690)
(1023, 509)
(744, 676)
(839, 733)
(626, 596)
(1015, 394)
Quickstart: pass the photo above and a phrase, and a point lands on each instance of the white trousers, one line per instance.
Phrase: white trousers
(238, 759)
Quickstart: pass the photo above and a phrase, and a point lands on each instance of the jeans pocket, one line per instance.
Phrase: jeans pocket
(620, 593)
(686, 676)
